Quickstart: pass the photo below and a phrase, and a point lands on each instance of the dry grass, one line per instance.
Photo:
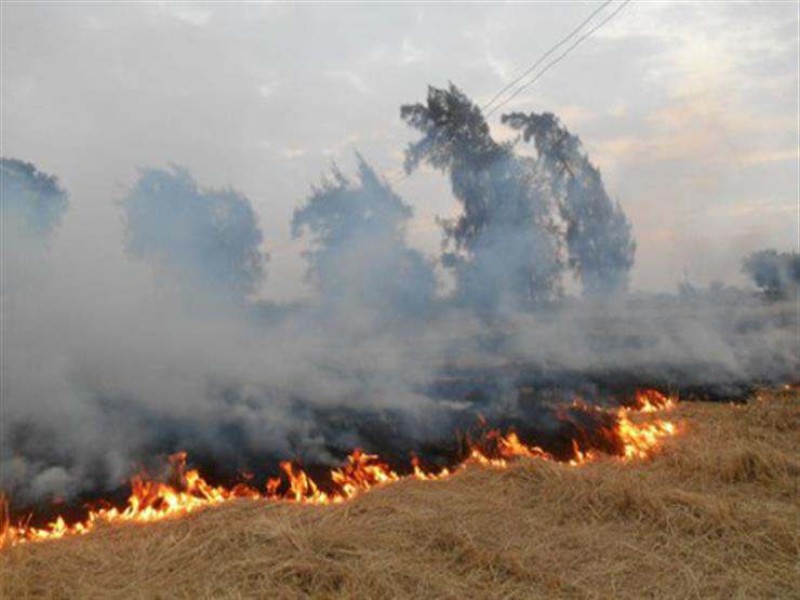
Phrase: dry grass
(715, 514)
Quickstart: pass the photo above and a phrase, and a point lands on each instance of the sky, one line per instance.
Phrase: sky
(689, 109)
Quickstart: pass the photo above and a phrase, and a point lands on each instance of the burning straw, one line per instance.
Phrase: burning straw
(613, 432)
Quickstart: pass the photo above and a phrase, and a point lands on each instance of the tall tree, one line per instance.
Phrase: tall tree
(358, 252)
(205, 239)
(598, 236)
(504, 246)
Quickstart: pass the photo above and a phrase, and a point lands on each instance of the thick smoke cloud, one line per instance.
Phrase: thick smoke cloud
(203, 239)
(106, 370)
(102, 374)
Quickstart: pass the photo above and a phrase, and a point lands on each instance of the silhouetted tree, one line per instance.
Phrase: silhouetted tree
(359, 254)
(524, 220)
(204, 238)
(505, 245)
(598, 234)
(31, 198)
(775, 273)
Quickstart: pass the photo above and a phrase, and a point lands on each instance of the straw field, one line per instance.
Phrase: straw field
(715, 514)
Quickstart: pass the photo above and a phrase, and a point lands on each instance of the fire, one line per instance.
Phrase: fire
(187, 492)
(649, 401)
(639, 439)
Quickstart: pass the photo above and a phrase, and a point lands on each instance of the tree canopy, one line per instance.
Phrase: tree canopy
(597, 233)
(32, 198)
(358, 252)
(203, 238)
(525, 220)
(775, 273)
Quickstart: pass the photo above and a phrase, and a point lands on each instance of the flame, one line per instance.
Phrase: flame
(639, 439)
(152, 500)
(649, 401)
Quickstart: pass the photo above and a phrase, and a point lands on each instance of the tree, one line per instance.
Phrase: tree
(598, 234)
(359, 255)
(504, 246)
(205, 239)
(775, 273)
(31, 198)
(524, 220)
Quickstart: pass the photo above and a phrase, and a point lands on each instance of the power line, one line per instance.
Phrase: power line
(542, 58)
(558, 59)
(546, 68)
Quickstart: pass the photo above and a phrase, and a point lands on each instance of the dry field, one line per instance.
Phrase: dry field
(716, 514)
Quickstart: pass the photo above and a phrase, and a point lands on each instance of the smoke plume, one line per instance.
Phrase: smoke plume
(106, 371)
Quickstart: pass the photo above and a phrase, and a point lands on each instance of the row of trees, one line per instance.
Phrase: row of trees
(524, 222)
(527, 221)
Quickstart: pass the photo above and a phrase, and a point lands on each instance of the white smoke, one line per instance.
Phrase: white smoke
(106, 368)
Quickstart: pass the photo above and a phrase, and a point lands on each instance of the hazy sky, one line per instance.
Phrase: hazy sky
(689, 109)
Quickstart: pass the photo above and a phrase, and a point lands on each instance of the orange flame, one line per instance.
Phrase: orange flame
(649, 401)
(155, 501)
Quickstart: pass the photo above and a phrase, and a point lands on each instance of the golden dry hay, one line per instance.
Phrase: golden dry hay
(716, 514)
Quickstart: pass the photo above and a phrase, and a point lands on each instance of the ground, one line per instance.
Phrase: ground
(714, 514)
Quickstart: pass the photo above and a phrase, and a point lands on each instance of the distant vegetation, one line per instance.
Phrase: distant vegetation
(30, 197)
(525, 220)
(206, 239)
(358, 253)
(777, 274)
